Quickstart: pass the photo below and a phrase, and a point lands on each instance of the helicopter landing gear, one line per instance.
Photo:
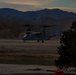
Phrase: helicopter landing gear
(38, 40)
(23, 40)
(42, 41)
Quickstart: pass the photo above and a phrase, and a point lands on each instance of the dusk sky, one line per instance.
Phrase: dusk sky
(31, 5)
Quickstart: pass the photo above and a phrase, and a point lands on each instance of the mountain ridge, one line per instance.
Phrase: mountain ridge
(30, 15)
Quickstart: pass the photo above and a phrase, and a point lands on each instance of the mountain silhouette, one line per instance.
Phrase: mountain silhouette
(31, 15)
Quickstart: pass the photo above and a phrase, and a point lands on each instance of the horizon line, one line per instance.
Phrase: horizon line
(39, 9)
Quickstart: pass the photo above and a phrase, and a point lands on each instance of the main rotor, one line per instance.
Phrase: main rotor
(44, 26)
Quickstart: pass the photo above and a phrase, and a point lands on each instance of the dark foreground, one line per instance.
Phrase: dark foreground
(34, 74)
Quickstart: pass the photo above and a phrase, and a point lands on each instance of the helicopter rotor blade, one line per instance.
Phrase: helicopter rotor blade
(48, 26)
(28, 25)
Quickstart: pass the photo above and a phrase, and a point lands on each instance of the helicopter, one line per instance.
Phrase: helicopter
(31, 35)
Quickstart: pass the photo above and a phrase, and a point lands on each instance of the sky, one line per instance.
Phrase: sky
(32, 5)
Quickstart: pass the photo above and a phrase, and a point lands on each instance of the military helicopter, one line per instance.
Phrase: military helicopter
(30, 35)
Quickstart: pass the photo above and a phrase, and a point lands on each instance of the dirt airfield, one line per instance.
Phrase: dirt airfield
(30, 46)
(30, 52)
(14, 49)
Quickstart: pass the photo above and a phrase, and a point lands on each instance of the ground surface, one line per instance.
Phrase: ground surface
(13, 69)
(46, 48)
(18, 51)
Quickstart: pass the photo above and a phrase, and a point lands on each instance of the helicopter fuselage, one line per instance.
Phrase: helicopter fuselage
(30, 35)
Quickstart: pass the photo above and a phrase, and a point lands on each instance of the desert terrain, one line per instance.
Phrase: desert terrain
(16, 54)
(48, 47)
